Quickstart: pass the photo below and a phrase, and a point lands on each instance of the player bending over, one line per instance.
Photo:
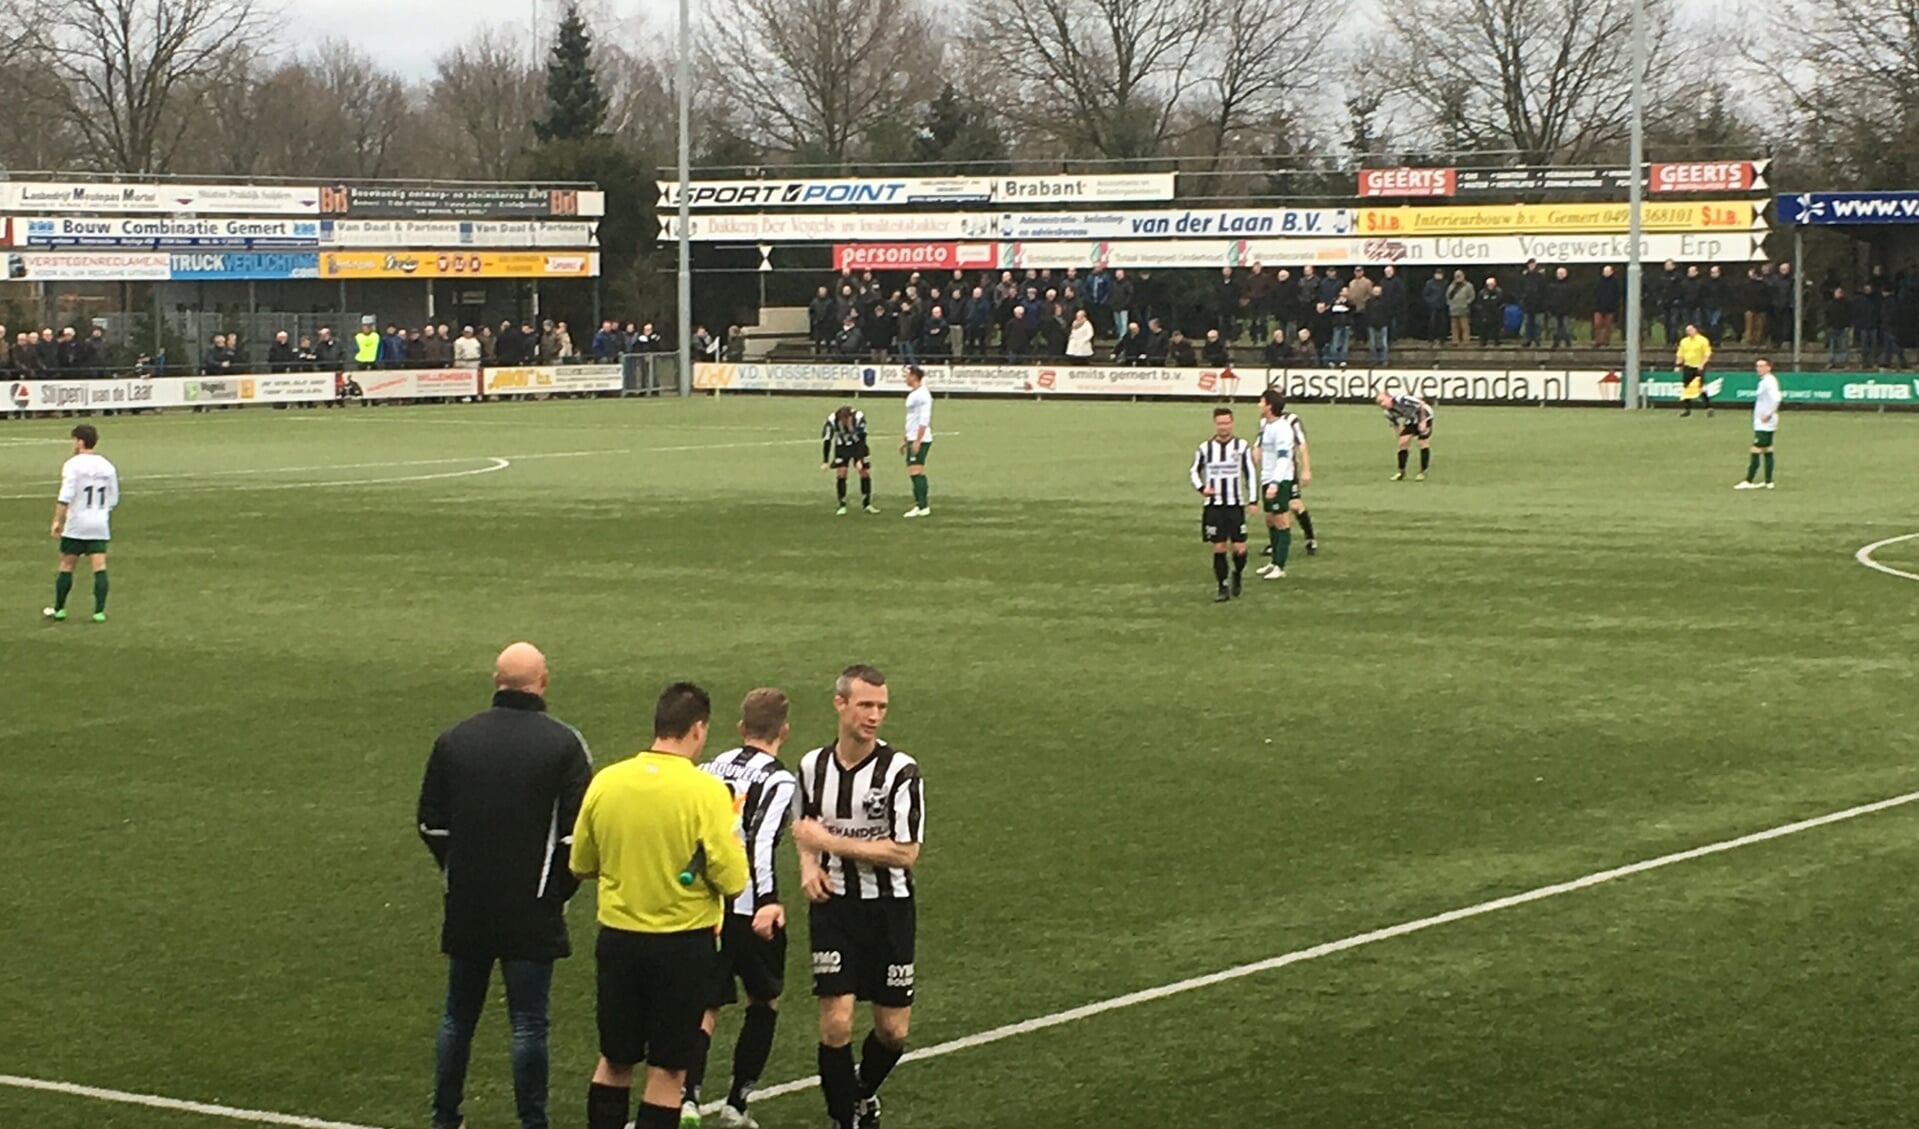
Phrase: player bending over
(1414, 419)
(843, 445)
(89, 489)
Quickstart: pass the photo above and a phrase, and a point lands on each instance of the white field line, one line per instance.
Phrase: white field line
(1073, 1015)
(1864, 556)
(1300, 956)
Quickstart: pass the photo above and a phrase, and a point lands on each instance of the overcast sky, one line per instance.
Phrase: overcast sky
(407, 35)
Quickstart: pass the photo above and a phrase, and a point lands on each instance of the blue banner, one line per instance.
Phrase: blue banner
(243, 267)
(1843, 209)
(149, 234)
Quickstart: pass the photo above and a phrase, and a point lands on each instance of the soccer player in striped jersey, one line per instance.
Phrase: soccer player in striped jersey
(843, 445)
(863, 819)
(1414, 419)
(753, 934)
(1274, 456)
(1223, 472)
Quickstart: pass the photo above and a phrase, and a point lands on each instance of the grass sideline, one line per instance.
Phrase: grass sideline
(1574, 647)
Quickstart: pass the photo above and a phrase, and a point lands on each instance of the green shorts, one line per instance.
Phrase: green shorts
(1278, 504)
(1762, 438)
(75, 547)
(926, 449)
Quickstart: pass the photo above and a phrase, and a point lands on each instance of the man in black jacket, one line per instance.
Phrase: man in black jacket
(497, 808)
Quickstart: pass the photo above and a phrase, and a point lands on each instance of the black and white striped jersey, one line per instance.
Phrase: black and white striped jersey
(763, 795)
(1409, 411)
(841, 435)
(1226, 466)
(878, 799)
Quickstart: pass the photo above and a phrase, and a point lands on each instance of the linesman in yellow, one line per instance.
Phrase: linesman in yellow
(1690, 363)
(663, 841)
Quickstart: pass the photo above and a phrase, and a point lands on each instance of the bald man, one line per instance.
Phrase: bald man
(497, 808)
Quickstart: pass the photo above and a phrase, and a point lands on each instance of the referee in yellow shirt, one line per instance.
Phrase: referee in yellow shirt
(663, 840)
(1693, 353)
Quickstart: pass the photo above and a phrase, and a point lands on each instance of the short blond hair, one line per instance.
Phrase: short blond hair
(763, 713)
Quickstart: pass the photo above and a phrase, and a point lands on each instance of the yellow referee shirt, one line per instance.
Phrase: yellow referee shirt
(1694, 351)
(641, 825)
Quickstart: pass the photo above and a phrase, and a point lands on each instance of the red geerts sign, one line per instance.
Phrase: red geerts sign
(1708, 176)
(1408, 182)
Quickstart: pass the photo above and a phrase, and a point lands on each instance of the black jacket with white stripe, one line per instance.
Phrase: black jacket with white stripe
(497, 807)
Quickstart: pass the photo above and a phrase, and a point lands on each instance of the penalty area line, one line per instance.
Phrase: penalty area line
(1344, 944)
(1864, 556)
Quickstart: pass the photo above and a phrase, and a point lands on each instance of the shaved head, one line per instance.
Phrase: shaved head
(520, 667)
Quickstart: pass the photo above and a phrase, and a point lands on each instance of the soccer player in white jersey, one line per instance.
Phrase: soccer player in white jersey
(753, 935)
(917, 443)
(89, 489)
(862, 820)
(1274, 457)
(1765, 421)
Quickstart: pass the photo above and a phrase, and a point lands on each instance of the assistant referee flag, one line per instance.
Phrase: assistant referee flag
(642, 823)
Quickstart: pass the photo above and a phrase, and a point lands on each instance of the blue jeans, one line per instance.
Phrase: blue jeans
(1529, 328)
(1379, 343)
(1342, 341)
(1562, 329)
(1836, 346)
(1120, 322)
(527, 986)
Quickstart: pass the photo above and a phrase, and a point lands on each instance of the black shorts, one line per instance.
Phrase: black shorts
(756, 964)
(653, 990)
(1220, 525)
(864, 948)
(847, 456)
(1413, 431)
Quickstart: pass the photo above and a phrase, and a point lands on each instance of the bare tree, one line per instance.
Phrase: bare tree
(816, 77)
(483, 98)
(123, 66)
(1258, 56)
(1549, 80)
(1846, 72)
(373, 112)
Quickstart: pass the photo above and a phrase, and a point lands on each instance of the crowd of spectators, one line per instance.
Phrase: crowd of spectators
(1316, 316)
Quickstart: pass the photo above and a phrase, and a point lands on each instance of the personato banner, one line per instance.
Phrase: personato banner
(57, 266)
(159, 199)
(164, 233)
(914, 256)
(1690, 176)
(1412, 251)
(241, 266)
(1560, 219)
(862, 227)
(1740, 386)
(551, 378)
(423, 234)
(470, 201)
(457, 264)
(900, 191)
(1842, 209)
(1524, 386)
(417, 384)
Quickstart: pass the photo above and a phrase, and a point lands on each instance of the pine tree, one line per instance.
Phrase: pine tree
(575, 107)
(960, 135)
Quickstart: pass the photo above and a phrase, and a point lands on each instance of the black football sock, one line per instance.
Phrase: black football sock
(1425, 459)
(1305, 524)
(841, 485)
(1402, 460)
(657, 1117)
(62, 585)
(606, 1106)
(100, 592)
(840, 1084)
(866, 489)
(1752, 467)
(696, 1073)
(877, 1060)
(1239, 563)
(1219, 568)
(751, 1052)
(1768, 466)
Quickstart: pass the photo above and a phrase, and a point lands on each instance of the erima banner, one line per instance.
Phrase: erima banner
(861, 227)
(1560, 219)
(457, 264)
(896, 192)
(1675, 177)
(1443, 251)
(159, 199)
(1526, 386)
(424, 234)
(1857, 389)
(1840, 209)
(163, 233)
(472, 202)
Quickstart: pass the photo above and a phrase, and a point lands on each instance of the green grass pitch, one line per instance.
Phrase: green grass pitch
(1576, 647)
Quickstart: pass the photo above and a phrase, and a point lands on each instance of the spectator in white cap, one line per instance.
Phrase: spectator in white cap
(466, 350)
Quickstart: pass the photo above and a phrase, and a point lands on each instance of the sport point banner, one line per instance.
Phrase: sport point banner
(429, 234)
(166, 233)
(1527, 386)
(863, 227)
(1671, 177)
(1853, 389)
(901, 191)
(159, 199)
(1560, 219)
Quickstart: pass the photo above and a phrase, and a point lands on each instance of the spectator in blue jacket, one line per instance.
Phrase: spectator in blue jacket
(977, 318)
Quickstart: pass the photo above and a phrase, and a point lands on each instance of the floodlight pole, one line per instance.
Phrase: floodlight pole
(1636, 196)
(685, 79)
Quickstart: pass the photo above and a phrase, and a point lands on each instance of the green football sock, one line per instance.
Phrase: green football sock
(1768, 466)
(1752, 467)
(919, 490)
(62, 584)
(1282, 545)
(100, 591)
